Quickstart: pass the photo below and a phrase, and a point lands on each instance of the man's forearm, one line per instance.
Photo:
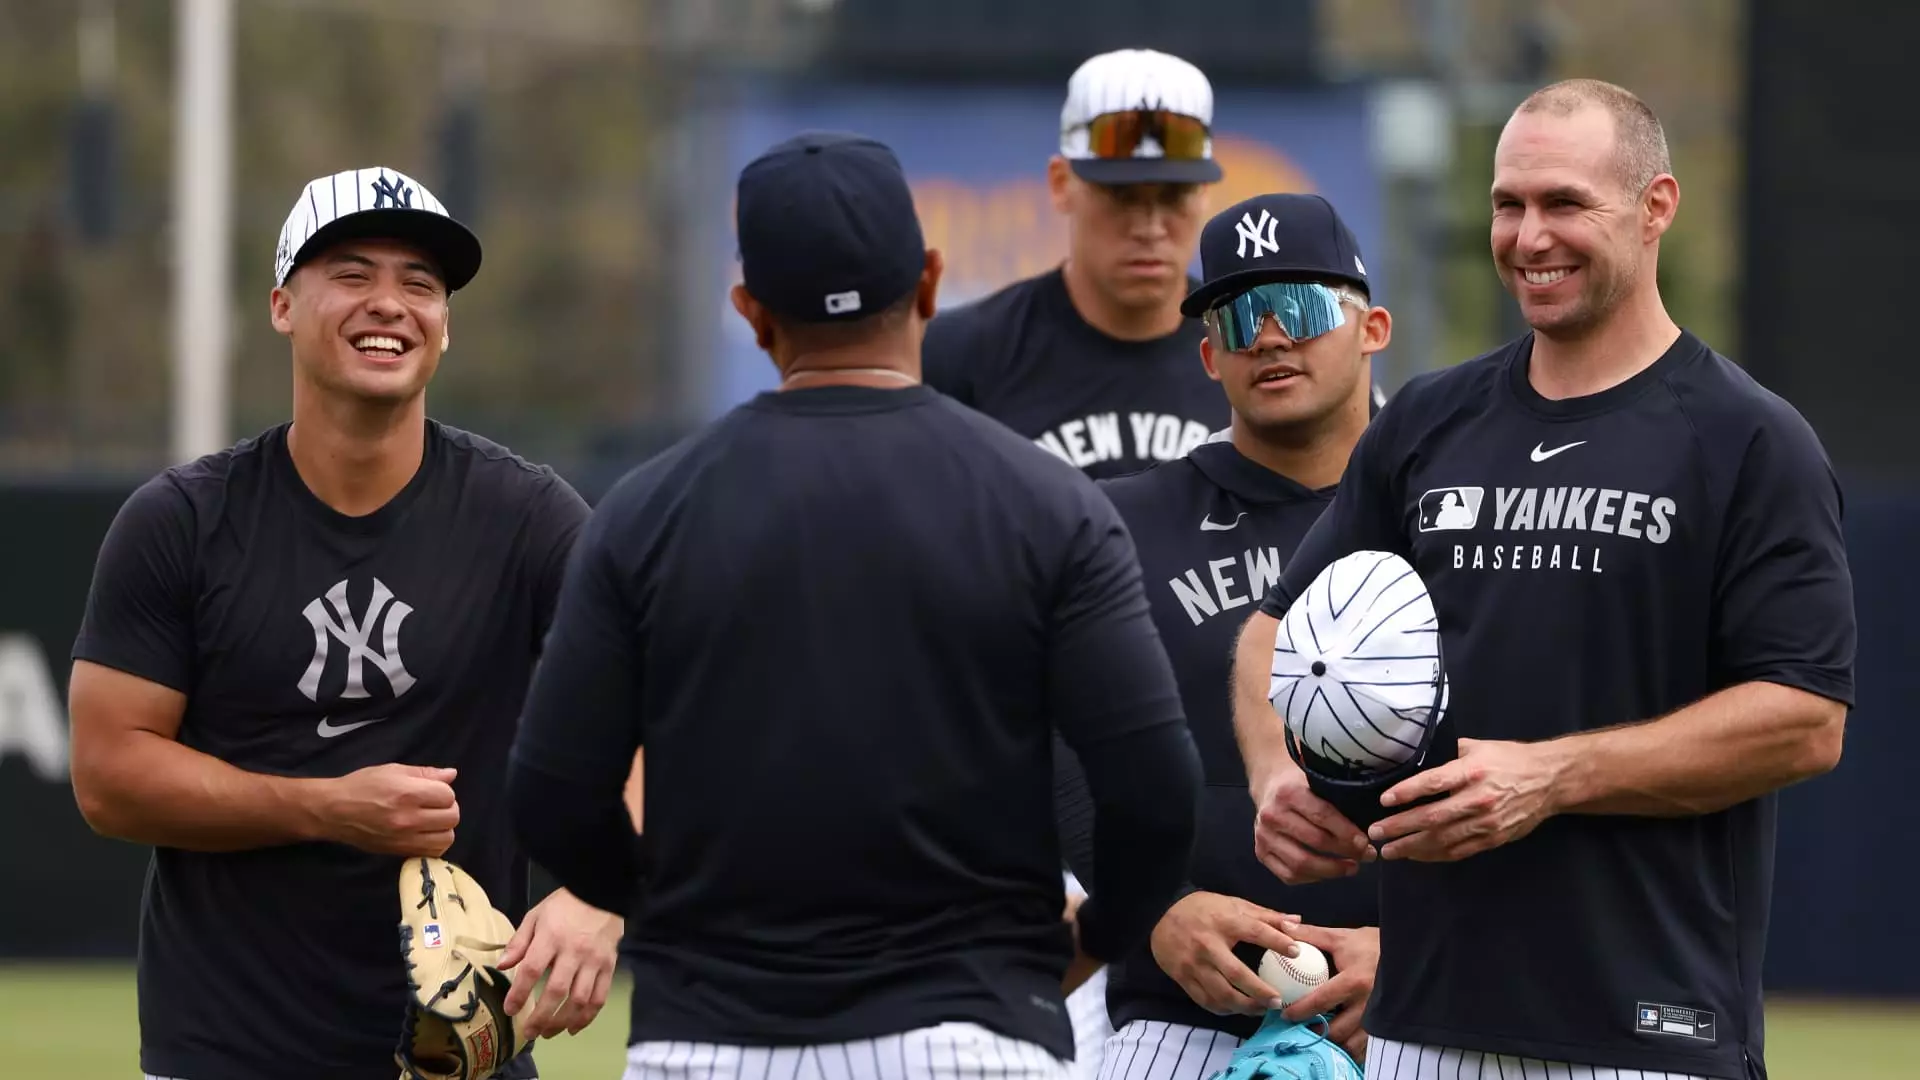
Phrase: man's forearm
(152, 790)
(1256, 727)
(1727, 748)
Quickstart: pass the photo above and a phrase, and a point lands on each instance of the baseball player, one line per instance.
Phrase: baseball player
(302, 659)
(844, 620)
(1094, 360)
(1290, 337)
(1635, 557)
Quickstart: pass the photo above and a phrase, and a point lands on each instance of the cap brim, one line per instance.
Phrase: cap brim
(451, 245)
(1204, 297)
(1115, 171)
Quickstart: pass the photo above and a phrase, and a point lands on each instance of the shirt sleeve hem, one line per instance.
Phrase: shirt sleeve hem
(169, 679)
(1818, 681)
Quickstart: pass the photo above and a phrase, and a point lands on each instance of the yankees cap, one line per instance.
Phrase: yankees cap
(1280, 237)
(827, 228)
(1137, 116)
(376, 203)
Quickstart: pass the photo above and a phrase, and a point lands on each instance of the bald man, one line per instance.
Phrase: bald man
(1635, 557)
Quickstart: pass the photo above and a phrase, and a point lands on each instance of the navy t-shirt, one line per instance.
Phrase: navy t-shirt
(310, 643)
(845, 622)
(1596, 561)
(1214, 530)
(1025, 357)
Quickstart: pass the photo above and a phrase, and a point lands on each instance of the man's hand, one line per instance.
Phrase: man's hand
(1354, 954)
(1300, 836)
(576, 945)
(1194, 941)
(1495, 793)
(391, 809)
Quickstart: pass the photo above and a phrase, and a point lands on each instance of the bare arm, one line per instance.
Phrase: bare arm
(1732, 746)
(135, 781)
(1724, 749)
(1296, 834)
(1256, 727)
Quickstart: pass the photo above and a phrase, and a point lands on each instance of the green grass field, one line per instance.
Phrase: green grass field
(76, 1022)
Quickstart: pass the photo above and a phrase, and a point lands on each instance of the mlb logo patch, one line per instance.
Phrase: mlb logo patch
(430, 935)
(1442, 509)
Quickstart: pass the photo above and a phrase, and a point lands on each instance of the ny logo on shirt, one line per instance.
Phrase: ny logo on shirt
(1258, 233)
(383, 613)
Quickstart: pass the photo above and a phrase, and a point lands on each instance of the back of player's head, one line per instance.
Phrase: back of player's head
(827, 229)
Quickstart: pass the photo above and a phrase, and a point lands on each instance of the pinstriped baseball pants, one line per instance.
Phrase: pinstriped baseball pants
(1388, 1060)
(950, 1051)
(1157, 1050)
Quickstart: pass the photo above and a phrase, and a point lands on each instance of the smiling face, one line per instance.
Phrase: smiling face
(367, 318)
(1134, 241)
(1571, 239)
(1279, 386)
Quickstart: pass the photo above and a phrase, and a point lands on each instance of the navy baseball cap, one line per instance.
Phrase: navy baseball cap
(827, 228)
(1281, 237)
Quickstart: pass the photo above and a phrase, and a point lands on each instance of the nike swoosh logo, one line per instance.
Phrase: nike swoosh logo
(1540, 453)
(329, 729)
(1207, 523)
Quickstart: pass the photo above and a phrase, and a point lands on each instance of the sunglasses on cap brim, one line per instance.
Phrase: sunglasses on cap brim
(1120, 135)
(1303, 309)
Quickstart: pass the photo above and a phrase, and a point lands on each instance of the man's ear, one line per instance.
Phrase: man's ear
(280, 309)
(1059, 181)
(756, 316)
(446, 333)
(1206, 358)
(926, 296)
(1662, 204)
(1376, 330)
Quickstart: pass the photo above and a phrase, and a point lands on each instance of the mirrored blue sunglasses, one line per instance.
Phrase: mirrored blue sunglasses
(1304, 310)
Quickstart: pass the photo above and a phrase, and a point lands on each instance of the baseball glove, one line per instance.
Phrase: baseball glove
(451, 938)
(1284, 1050)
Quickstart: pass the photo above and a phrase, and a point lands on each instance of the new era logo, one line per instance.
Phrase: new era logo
(1450, 508)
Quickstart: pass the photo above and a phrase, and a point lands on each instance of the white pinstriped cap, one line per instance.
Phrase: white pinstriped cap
(1129, 80)
(378, 203)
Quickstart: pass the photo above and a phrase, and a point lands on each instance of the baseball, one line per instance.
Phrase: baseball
(1294, 976)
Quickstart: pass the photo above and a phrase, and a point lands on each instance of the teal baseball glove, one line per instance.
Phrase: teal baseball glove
(1284, 1050)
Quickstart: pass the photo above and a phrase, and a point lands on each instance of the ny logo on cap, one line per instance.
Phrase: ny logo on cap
(390, 192)
(1259, 232)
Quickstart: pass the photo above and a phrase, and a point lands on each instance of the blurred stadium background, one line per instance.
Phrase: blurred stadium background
(149, 150)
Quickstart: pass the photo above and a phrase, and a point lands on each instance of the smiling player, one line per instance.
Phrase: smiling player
(302, 660)
(1636, 562)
